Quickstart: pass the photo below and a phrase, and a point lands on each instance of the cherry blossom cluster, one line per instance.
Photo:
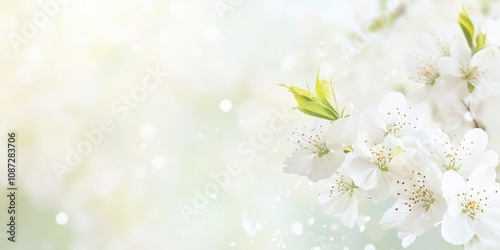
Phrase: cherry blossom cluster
(461, 61)
(387, 152)
(393, 151)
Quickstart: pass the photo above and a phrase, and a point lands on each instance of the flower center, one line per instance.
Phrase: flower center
(455, 154)
(382, 156)
(424, 70)
(382, 163)
(398, 123)
(325, 151)
(428, 72)
(431, 75)
(452, 162)
(474, 201)
(343, 185)
(444, 47)
(426, 197)
(473, 73)
(415, 191)
(470, 207)
(311, 139)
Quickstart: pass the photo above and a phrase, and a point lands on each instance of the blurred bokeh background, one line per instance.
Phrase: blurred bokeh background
(150, 183)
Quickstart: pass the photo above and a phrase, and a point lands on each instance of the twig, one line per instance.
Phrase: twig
(476, 123)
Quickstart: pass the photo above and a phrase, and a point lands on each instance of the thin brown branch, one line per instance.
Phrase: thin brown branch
(477, 124)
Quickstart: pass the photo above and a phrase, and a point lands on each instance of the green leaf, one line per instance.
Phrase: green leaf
(467, 27)
(325, 93)
(319, 89)
(329, 93)
(322, 103)
(470, 87)
(480, 39)
(380, 22)
(298, 91)
(301, 92)
(301, 95)
(480, 42)
(318, 110)
(301, 99)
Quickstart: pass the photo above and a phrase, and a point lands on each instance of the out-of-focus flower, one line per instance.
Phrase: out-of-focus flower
(476, 72)
(492, 31)
(448, 36)
(421, 67)
(421, 64)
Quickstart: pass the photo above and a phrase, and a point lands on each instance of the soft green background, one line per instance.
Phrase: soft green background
(126, 194)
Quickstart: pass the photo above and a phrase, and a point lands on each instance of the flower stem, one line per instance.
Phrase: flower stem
(477, 124)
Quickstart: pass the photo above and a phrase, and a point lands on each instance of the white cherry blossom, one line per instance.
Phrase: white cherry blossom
(459, 155)
(421, 63)
(320, 148)
(393, 116)
(394, 150)
(340, 197)
(479, 70)
(372, 165)
(473, 207)
(420, 205)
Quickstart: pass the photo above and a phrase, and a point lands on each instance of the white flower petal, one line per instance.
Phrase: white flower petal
(448, 89)
(299, 162)
(477, 244)
(476, 140)
(453, 184)
(342, 132)
(447, 36)
(394, 215)
(338, 205)
(350, 215)
(492, 30)
(460, 51)
(364, 173)
(489, 158)
(320, 169)
(457, 230)
(449, 66)
(483, 175)
(383, 189)
(425, 42)
(373, 123)
(408, 238)
(485, 58)
(487, 228)
(391, 101)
